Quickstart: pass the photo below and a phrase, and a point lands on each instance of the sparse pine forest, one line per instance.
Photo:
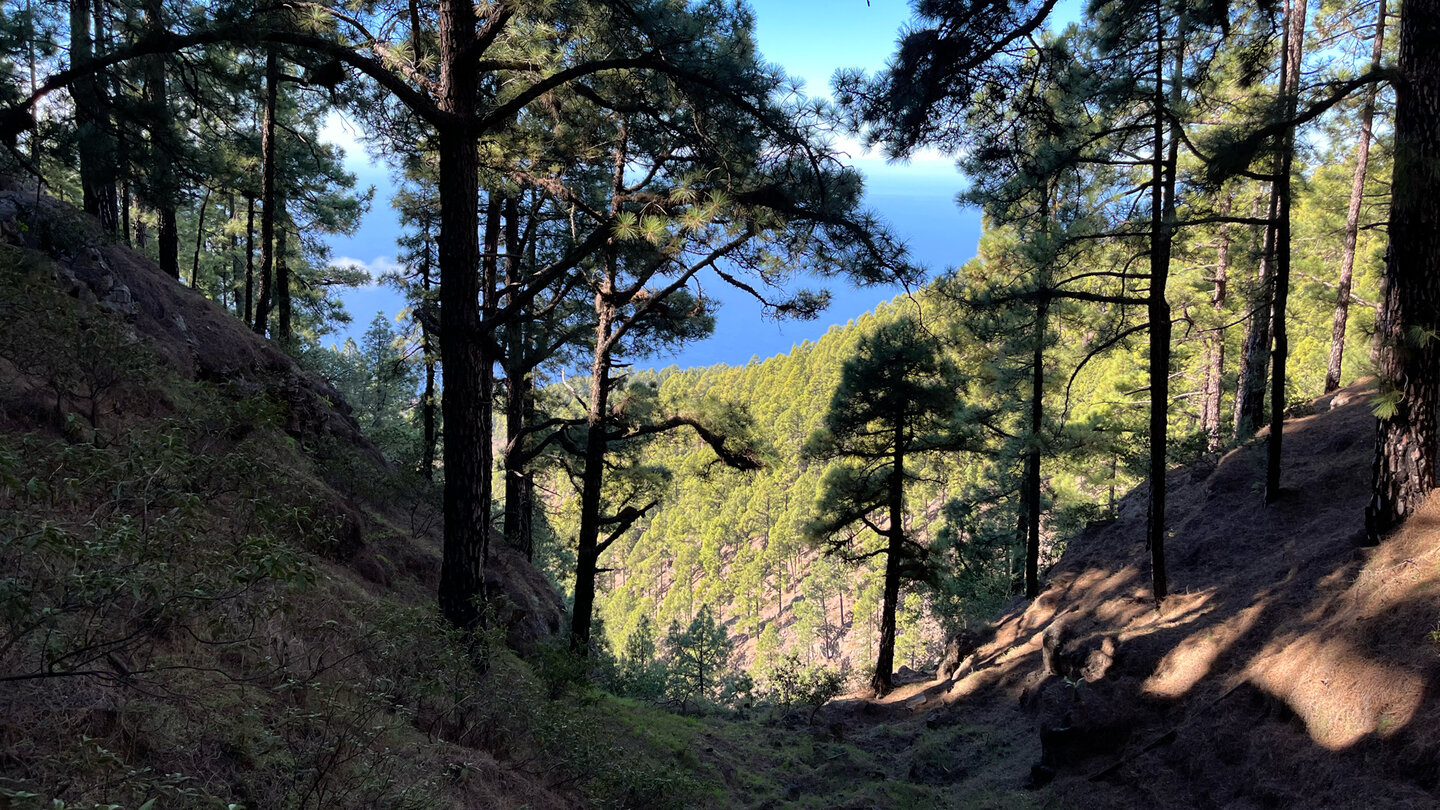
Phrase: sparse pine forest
(497, 552)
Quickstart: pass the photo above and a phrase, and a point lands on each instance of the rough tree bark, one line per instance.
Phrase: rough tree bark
(464, 351)
(427, 345)
(587, 553)
(1406, 442)
(96, 142)
(1030, 492)
(250, 261)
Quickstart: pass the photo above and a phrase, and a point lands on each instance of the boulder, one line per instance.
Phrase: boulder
(958, 647)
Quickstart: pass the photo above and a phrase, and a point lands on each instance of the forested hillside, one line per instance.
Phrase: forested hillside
(1199, 217)
(737, 542)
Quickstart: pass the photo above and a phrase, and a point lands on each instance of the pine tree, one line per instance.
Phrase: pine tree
(896, 401)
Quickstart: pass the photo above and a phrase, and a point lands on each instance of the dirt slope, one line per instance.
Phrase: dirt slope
(1289, 668)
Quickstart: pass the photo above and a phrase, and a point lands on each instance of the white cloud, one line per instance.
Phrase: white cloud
(861, 156)
(375, 267)
(340, 130)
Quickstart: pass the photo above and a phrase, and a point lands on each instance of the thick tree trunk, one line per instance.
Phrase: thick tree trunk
(1294, 42)
(464, 348)
(268, 195)
(96, 142)
(1406, 445)
(1352, 214)
(167, 239)
(1254, 352)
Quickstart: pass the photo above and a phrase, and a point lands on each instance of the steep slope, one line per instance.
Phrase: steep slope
(213, 590)
(1289, 668)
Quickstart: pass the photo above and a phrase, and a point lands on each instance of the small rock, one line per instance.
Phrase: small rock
(118, 299)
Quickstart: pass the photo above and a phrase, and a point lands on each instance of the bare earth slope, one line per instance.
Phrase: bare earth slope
(1290, 668)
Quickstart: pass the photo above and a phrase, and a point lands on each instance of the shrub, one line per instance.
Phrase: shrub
(790, 683)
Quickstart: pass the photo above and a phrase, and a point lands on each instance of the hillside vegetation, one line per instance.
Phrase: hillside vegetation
(218, 594)
(1061, 526)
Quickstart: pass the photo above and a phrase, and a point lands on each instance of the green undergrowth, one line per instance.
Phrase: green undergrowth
(646, 756)
(180, 625)
(177, 626)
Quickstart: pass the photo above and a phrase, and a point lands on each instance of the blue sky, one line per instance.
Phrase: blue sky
(810, 39)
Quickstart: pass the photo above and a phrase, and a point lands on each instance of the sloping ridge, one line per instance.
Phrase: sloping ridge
(284, 654)
(194, 337)
(199, 340)
(1290, 667)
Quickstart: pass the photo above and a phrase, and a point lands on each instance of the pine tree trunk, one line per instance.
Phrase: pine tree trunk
(286, 334)
(234, 255)
(1352, 214)
(427, 402)
(199, 240)
(587, 552)
(464, 351)
(519, 401)
(1406, 445)
(1215, 340)
(1254, 356)
(1031, 490)
(1294, 44)
(167, 239)
(164, 183)
(95, 141)
(250, 262)
(1162, 217)
(268, 195)
(883, 680)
